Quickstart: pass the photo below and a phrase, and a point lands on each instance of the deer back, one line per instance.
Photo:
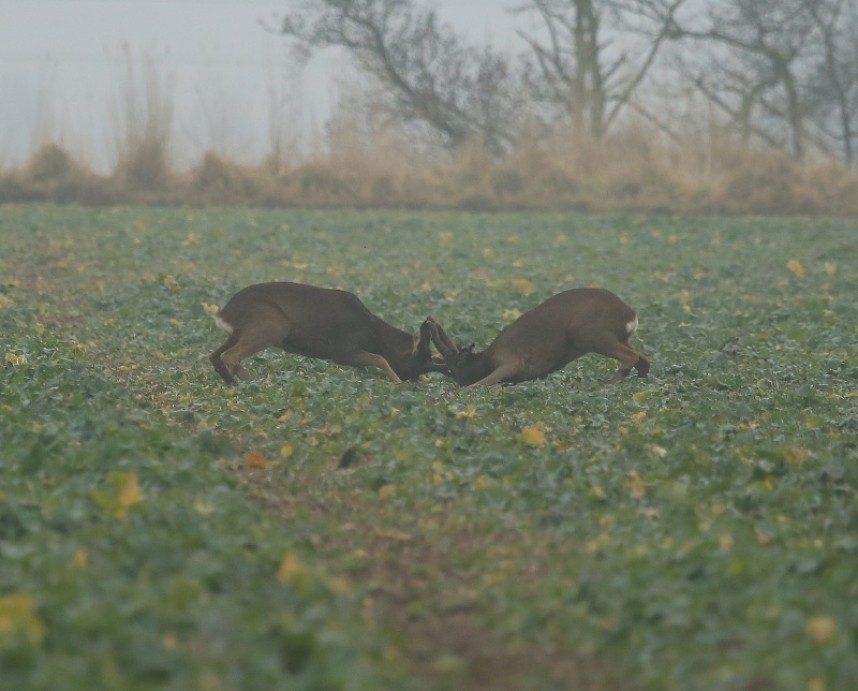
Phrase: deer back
(574, 319)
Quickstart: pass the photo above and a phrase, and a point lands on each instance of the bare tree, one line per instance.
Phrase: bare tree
(781, 71)
(431, 75)
(750, 64)
(574, 67)
(832, 87)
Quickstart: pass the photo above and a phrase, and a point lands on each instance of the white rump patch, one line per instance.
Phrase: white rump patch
(222, 324)
(632, 326)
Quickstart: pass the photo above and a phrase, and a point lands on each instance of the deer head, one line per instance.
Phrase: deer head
(463, 364)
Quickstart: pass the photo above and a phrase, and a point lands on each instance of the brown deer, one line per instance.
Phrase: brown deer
(547, 338)
(319, 323)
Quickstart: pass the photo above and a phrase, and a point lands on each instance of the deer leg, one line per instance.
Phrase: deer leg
(642, 366)
(365, 359)
(628, 358)
(217, 362)
(250, 342)
(243, 349)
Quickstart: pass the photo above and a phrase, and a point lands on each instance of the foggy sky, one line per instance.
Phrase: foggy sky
(64, 72)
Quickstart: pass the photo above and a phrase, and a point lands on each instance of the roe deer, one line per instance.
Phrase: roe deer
(319, 323)
(547, 338)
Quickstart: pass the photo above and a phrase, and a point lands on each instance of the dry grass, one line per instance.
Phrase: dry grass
(53, 175)
(630, 171)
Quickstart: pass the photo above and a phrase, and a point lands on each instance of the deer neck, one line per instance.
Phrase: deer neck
(474, 367)
(395, 344)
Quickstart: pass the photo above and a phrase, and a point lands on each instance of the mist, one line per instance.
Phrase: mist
(67, 69)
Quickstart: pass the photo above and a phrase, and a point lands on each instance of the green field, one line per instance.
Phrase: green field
(319, 527)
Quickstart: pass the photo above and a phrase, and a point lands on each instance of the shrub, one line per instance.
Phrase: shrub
(219, 181)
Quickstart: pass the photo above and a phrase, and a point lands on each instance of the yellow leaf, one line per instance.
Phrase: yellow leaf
(18, 616)
(127, 491)
(204, 507)
(795, 455)
(830, 268)
(796, 267)
(122, 492)
(254, 459)
(171, 282)
(634, 484)
(481, 483)
(291, 569)
(763, 538)
(386, 491)
(340, 584)
(285, 451)
(597, 492)
(532, 436)
(511, 314)
(79, 558)
(210, 309)
(522, 285)
(466, 414)
(737, 566)
(5, 301)
(816, 684)
(14, 359)
(391, 534)
(489, 580)
(820, 629)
